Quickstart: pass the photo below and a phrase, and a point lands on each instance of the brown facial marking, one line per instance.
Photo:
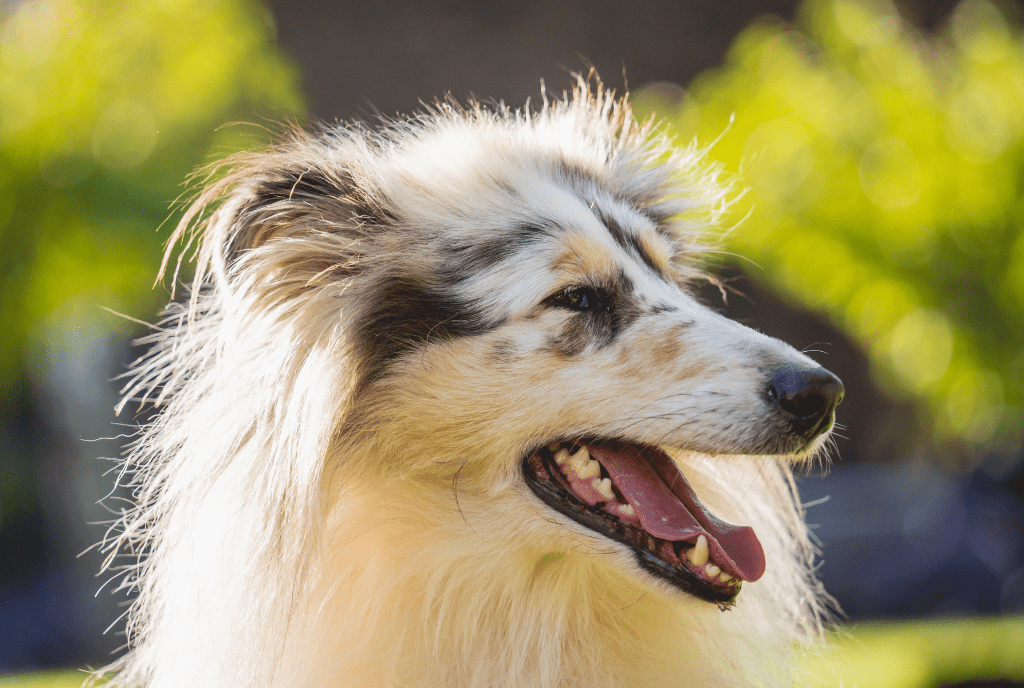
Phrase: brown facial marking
(599, 328)
(657, 354)
(584, 256)
(665, 351)
(573, 338)
(637, 239)
(504, 351)
(654, 247)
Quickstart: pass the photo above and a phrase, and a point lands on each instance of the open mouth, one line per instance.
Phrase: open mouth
(636, 495)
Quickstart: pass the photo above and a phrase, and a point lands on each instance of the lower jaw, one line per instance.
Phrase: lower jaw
(654, 555)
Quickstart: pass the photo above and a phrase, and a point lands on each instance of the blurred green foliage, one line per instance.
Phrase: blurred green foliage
(48, 679)
(885, 169)
(105, 109)
(923, 654)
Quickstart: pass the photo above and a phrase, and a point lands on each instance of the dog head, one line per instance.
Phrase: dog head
(456, 362)
(510, 293)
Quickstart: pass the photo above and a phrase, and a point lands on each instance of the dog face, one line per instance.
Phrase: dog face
(533, 328)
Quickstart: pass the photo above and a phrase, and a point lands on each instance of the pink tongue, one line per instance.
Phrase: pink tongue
(669, 509)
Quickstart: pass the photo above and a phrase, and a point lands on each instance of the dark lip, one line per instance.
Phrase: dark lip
(541, 479)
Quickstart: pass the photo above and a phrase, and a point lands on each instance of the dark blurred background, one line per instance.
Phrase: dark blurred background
(883, 231)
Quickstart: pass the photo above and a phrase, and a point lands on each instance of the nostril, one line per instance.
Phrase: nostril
(807, 395)
(803, 405)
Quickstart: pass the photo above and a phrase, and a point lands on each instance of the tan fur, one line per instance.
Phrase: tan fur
(662, 351)
(306, 520)
(657, 249)
(585, 256)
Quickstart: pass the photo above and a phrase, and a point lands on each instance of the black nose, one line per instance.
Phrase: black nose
(807, 396)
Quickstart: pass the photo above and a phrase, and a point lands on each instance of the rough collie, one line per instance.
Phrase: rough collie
(440, 409)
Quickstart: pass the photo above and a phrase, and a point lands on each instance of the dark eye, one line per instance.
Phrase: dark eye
(580, 299)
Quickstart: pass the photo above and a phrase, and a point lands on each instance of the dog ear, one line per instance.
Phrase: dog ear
(279, 238)
(302, 209)
(249, 382)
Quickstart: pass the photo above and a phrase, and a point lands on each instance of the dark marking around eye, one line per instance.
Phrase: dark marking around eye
(599, 328)
(410, 312)
(581, 299)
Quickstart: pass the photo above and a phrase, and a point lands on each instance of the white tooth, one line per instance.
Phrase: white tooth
(724, 578)
(562, 455)
(698, 554)
(626, 510)
(592, 469)
(604, 486)
(580, 458)
(712, 570)
(555, 446)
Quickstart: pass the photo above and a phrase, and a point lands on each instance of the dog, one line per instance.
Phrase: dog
(441, 409)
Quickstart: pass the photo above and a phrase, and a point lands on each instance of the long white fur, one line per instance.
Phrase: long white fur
(295, 529)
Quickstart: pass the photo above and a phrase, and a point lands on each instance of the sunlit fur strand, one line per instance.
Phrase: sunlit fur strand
(261, 485)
